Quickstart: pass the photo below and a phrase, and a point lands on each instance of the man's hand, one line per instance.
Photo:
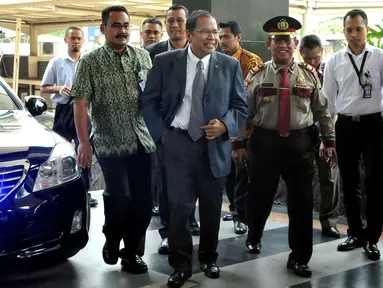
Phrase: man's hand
(322, 151)
(238, 156)
(214, 129)
(84, 157)
(64, 90)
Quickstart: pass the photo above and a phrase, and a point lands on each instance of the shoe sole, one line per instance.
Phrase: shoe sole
(240, 232)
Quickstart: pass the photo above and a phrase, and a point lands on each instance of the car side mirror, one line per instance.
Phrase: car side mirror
(36, 105)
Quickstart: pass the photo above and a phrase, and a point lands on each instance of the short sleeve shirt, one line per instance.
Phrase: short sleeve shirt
(112, 83)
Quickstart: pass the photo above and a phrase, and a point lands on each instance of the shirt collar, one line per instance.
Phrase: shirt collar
(291, 66)
(170, 47)
(367, 47)
(237, 55)
(111, 52)
(194, 59)
(67, 56)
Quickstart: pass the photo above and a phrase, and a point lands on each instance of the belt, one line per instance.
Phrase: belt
(176, 129)
(292, 133)
(359, 118)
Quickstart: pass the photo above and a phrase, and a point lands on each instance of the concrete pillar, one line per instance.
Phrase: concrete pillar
(250, 14)
(307, 26)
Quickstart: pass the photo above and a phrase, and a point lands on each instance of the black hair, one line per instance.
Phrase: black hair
(177, 7)
(354, 13)
(71, 29)
(191, 23)
(106, 12)
(235, 28)
(152, 20)
(310, 41)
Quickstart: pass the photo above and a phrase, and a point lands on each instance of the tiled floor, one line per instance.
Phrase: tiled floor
(238, 268)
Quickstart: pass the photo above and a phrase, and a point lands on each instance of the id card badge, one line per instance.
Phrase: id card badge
(367, 91)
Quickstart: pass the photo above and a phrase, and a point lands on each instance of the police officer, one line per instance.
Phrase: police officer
(237, 182)
(284, 101)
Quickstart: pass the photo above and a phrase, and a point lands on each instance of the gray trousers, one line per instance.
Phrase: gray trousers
(329, 181)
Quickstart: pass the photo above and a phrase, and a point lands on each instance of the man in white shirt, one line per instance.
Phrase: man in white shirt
(58, 79)
(353, 81)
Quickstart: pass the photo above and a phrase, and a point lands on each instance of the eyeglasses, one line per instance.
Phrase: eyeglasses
(206, 32)
(118, 26)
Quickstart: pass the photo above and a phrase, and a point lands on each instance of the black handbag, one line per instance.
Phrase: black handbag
(64, 124)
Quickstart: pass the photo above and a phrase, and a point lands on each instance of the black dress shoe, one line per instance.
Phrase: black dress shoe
(240, 228)
(254, 249)
(194, 228)
(156, 210)
(301, 270)
(163, 248)
(351, 243)
(178, 279)
(110, 252)
(134, 265)
(331, 232)
(228, 217)
(210, 270)
(372, 251)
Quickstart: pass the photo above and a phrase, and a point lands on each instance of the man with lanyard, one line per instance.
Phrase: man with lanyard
(353, 81)
(230, 35)
(311, 50)
(175, 22)
(58, 79)
(285, 100)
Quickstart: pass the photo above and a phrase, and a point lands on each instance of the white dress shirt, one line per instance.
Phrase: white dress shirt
(181, 120)
(60, 72)
(341, 84)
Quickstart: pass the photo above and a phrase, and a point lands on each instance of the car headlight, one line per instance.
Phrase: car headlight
(61, 167)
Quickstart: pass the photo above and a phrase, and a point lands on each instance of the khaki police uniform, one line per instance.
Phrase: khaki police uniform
(290, 154)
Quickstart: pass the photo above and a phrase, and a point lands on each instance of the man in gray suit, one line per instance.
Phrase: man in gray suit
(201, 93)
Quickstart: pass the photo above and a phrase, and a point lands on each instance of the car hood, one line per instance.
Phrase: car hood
(20, 133)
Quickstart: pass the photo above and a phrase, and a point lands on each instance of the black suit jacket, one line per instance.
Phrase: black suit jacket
(157, 48)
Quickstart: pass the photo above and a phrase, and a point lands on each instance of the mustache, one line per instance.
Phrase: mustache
(121, 36)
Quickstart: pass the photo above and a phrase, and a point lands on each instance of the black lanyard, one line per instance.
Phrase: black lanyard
(359, 73)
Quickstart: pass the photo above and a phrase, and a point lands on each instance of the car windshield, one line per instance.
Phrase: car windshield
(6, 101)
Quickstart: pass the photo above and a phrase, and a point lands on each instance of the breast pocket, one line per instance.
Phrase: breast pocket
(266, 97)
(302, 98)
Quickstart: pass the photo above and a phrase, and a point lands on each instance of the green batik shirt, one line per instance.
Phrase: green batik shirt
(110, 82)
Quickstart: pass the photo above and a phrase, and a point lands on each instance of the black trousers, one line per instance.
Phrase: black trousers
(358, 137)
(292, 157)
(127, 199)
(161, 189)
(237, 184)
(189, 177)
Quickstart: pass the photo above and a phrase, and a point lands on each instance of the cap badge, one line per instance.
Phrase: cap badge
(283, 25)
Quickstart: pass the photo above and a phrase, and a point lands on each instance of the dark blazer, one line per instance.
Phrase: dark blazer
(157, 48)
(223, 100)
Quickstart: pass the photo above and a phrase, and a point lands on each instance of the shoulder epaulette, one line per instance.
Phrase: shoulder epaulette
(256, 69)
(307, 67)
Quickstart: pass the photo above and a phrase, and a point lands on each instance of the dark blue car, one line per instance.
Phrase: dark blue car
(43, 200)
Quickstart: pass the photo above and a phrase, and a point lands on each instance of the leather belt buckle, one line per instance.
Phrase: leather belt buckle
(355, 118)
(284, 135)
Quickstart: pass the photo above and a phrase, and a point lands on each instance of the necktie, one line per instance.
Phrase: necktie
(284, 104)
(196, 113)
